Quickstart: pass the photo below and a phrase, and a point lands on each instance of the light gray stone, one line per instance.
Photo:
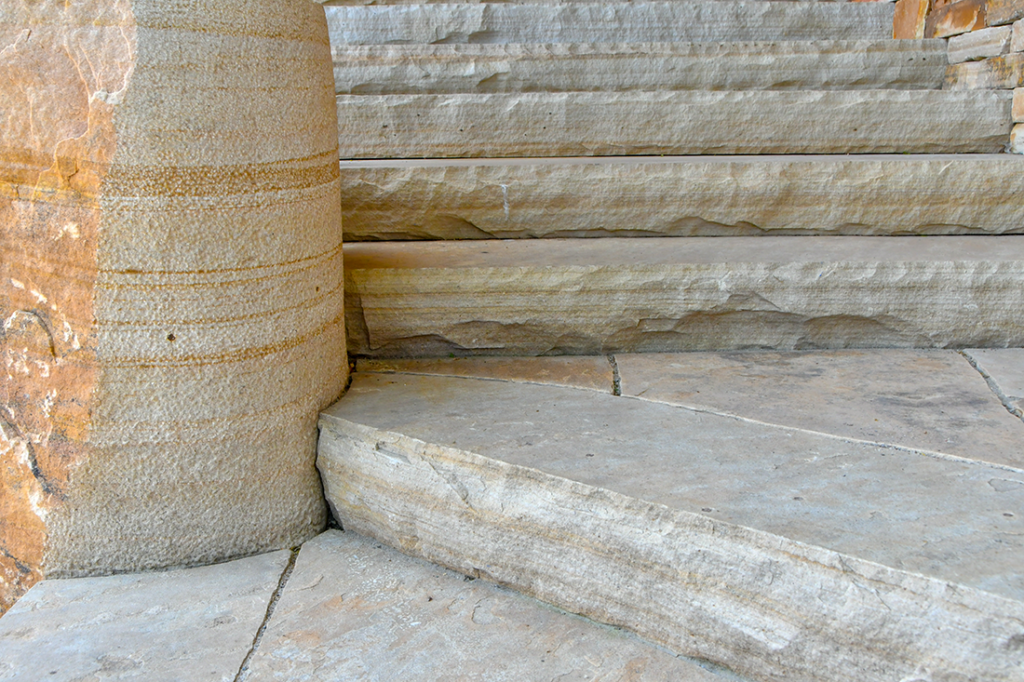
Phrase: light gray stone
(1017, 40)
(353, 610)
(624, 22)
(929, 400)
(686, 122)
(590, 372)
(1004, 367)
(186, 625)
(560, 67)
(874, 563)
(975, 45)
(683, 196)
(591, 296)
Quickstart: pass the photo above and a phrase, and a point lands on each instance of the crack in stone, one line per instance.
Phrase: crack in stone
(243, 670)
(616, 377)
(993, 385)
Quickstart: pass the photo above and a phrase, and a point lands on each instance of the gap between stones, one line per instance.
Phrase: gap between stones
(616, 377)
(993, 386)
(243, 670)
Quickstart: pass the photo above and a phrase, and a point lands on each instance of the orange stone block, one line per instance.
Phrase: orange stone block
(1000, 12)
(908, 22)
(955, 18)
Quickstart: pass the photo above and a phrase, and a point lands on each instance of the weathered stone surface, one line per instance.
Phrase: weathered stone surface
(1017, 40)
(550, 297)
(1018, 105)
(1017, 139)
(169, 282)
(653, 516)
(598, 22)
(193, 624)
(1003, 11)
(988, 42)
(909, 20)
(354, 610)
(920, 400)
(472, 68)
(1004, 72)
(687, 122)
(955, 18)
(1004, 368)
(683, 196)
(588, 372)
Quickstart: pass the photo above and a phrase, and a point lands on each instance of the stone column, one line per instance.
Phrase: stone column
(170, 281)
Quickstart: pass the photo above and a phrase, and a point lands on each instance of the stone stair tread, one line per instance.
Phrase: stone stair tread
(565, 296)
(717, 536)
(682, 196)
(560, 67)
(681, 122)
(353, 609)
(598, 22)
(1004, 369)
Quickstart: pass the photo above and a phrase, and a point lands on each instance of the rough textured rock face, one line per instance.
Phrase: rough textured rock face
(170, 274)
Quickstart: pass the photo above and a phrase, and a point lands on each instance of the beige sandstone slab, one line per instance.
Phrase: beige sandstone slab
(594, 373)
(560, 67)
(192, 625)
(988, 42)
(354, 610)
(921, 400)
(1016, 145)
(1017, 41)
(779, 553)
(682, 196)
(685, 122)
(1018, 105)
(1003, 11)
(599, 22)
(550, 297)
(1004, 367)
(997, 73)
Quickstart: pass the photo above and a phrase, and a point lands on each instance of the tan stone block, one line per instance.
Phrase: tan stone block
(1018, 105)
(1017, 139)
(1004, 11)
(981, 44)
(169, 275)
(1017, 41)
(955, 18)
(998, 73)
(909, 21)
(591, 373)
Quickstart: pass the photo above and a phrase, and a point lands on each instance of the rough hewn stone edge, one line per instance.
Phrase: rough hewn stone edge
(757, 603)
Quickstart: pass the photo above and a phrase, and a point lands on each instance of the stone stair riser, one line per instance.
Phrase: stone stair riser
(820, 65)
(686, 196)
(604, 23)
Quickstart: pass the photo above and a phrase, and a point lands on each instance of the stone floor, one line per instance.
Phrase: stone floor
(344, 607)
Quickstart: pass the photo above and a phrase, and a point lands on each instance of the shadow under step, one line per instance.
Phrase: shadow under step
(586, 296)
(683, 196)
(624, 22)
(776, 552)
(683, 122)
(472, 68)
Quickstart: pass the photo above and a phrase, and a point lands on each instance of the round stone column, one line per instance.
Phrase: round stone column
(170, 281)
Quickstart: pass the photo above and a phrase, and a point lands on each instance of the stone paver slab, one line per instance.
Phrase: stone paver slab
(187, 625)
(589, 372)
(354, 610)
(780, 553)
(1005, 367)
(923, 400)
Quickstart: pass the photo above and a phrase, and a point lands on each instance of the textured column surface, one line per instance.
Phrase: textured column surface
(170, 281)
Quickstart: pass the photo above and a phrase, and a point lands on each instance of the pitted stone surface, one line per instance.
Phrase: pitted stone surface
(920, 400)
(187, 625)
(654, 516)
(594, 373)
(355, 610)
(683, 196)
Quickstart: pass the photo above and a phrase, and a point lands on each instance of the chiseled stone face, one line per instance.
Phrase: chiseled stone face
(170, 279)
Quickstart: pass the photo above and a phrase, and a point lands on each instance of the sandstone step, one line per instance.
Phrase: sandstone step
(685, 122)
(604, 22)
(777, 552)
(683, 196)
(341, 608)
(572, 296)
(560, 67)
